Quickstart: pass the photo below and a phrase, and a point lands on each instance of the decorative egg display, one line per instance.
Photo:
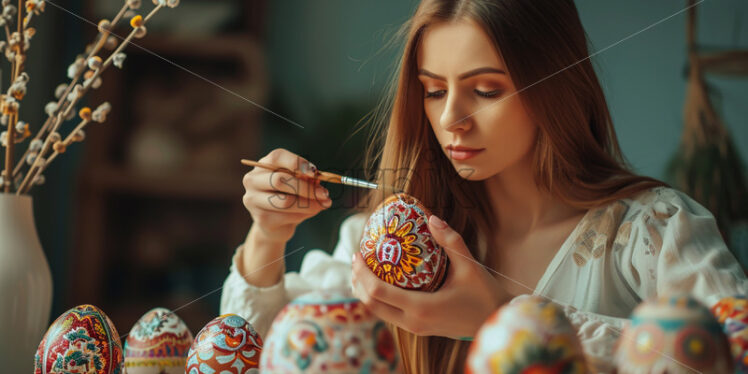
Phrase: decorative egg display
(329, 332)
(81, 340)
(673, 335)
(157, 344)
(398, 247)
(732, 313)
(227, 344)
(529, 335)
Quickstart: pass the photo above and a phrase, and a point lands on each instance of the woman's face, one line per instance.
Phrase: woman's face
(466, 85)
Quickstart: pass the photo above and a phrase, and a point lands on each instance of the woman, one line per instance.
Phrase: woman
(499, 125)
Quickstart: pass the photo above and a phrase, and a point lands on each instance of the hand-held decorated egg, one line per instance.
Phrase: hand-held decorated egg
(672, 335)
(226, 344)
(329, 332)
(732, 313)
(528, 335)
(398, 247)
(81, 340)
(157, 344)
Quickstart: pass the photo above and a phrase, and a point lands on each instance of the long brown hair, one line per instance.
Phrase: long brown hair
(577, 158)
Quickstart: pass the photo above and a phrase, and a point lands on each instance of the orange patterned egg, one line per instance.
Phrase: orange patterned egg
(227, 344)
(732, 314)
(398, 247)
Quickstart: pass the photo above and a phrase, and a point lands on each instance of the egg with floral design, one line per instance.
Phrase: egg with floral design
(227, 344)
(398, 247)
(157, 344)
(528, 335)
(81, 340)
(673, 335)
(332, 332)
(732, 314)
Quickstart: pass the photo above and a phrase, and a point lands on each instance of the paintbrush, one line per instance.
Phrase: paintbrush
(323, 176)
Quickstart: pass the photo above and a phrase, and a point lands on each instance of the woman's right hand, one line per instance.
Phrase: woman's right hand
(278, 201)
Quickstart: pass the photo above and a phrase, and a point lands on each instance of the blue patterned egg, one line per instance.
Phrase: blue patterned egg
(157, 344)
(673, 335)
(227, 344)
(329, 332)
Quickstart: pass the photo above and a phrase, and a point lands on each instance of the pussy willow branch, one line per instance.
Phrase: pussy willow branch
(35, 169)
(102, 37)
(17, 67)
(34, 166)
(68, 140)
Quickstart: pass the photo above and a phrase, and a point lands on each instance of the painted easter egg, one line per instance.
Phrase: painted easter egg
(732, 313)
(673, 335)
(157, 344)
(331, 332)
(81, 340)
(398, 247)
(227, 344)
(528, 335)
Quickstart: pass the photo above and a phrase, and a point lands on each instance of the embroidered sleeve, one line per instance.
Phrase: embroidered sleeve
(675, 247)
(319, 270)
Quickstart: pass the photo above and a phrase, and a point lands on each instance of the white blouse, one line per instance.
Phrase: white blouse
(659, 242)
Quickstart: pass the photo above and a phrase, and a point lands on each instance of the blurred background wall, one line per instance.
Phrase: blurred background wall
(161, 237)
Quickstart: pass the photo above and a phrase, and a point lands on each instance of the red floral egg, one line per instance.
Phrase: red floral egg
(81, 340)
(398, 247)
(227, 344)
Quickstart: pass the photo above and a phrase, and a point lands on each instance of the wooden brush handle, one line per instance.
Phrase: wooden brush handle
(322, 175)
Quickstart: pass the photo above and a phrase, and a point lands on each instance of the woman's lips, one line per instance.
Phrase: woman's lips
(462, 153)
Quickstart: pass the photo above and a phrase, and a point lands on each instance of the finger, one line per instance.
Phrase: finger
(382, 310)
(379, 289)
(288, 184)
(291, 161)
(280, 202)
(272, 218)
(450, 240)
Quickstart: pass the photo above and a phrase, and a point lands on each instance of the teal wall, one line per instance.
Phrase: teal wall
(316, 53)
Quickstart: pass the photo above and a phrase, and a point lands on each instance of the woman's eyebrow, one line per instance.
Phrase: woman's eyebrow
(474, 72)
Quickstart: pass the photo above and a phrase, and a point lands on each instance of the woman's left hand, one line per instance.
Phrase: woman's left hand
(457, 309)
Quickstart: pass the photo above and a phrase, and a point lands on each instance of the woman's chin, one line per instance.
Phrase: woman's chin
(472, 173)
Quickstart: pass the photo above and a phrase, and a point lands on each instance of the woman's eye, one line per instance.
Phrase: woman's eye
(487, 94)
(439, 93)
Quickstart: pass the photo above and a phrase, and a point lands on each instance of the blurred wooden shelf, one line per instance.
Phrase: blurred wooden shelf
(196, 185)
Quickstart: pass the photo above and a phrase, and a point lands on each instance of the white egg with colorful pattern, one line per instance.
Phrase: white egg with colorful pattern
(528, 335)
(157, 344)
(329, 332)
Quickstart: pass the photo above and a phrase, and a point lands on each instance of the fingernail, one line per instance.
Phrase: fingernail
(437, 222)
(322, 192)
(327, 203)
(353, 257)
(308, 168)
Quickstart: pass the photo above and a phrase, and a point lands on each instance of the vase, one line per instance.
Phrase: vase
(25, 285)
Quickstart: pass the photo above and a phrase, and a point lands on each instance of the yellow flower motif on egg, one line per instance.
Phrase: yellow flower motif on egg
(397, 255)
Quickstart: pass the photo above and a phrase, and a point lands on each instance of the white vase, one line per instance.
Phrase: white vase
(25, 285)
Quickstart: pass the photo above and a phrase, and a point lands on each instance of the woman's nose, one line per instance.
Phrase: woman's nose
(455, 117)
